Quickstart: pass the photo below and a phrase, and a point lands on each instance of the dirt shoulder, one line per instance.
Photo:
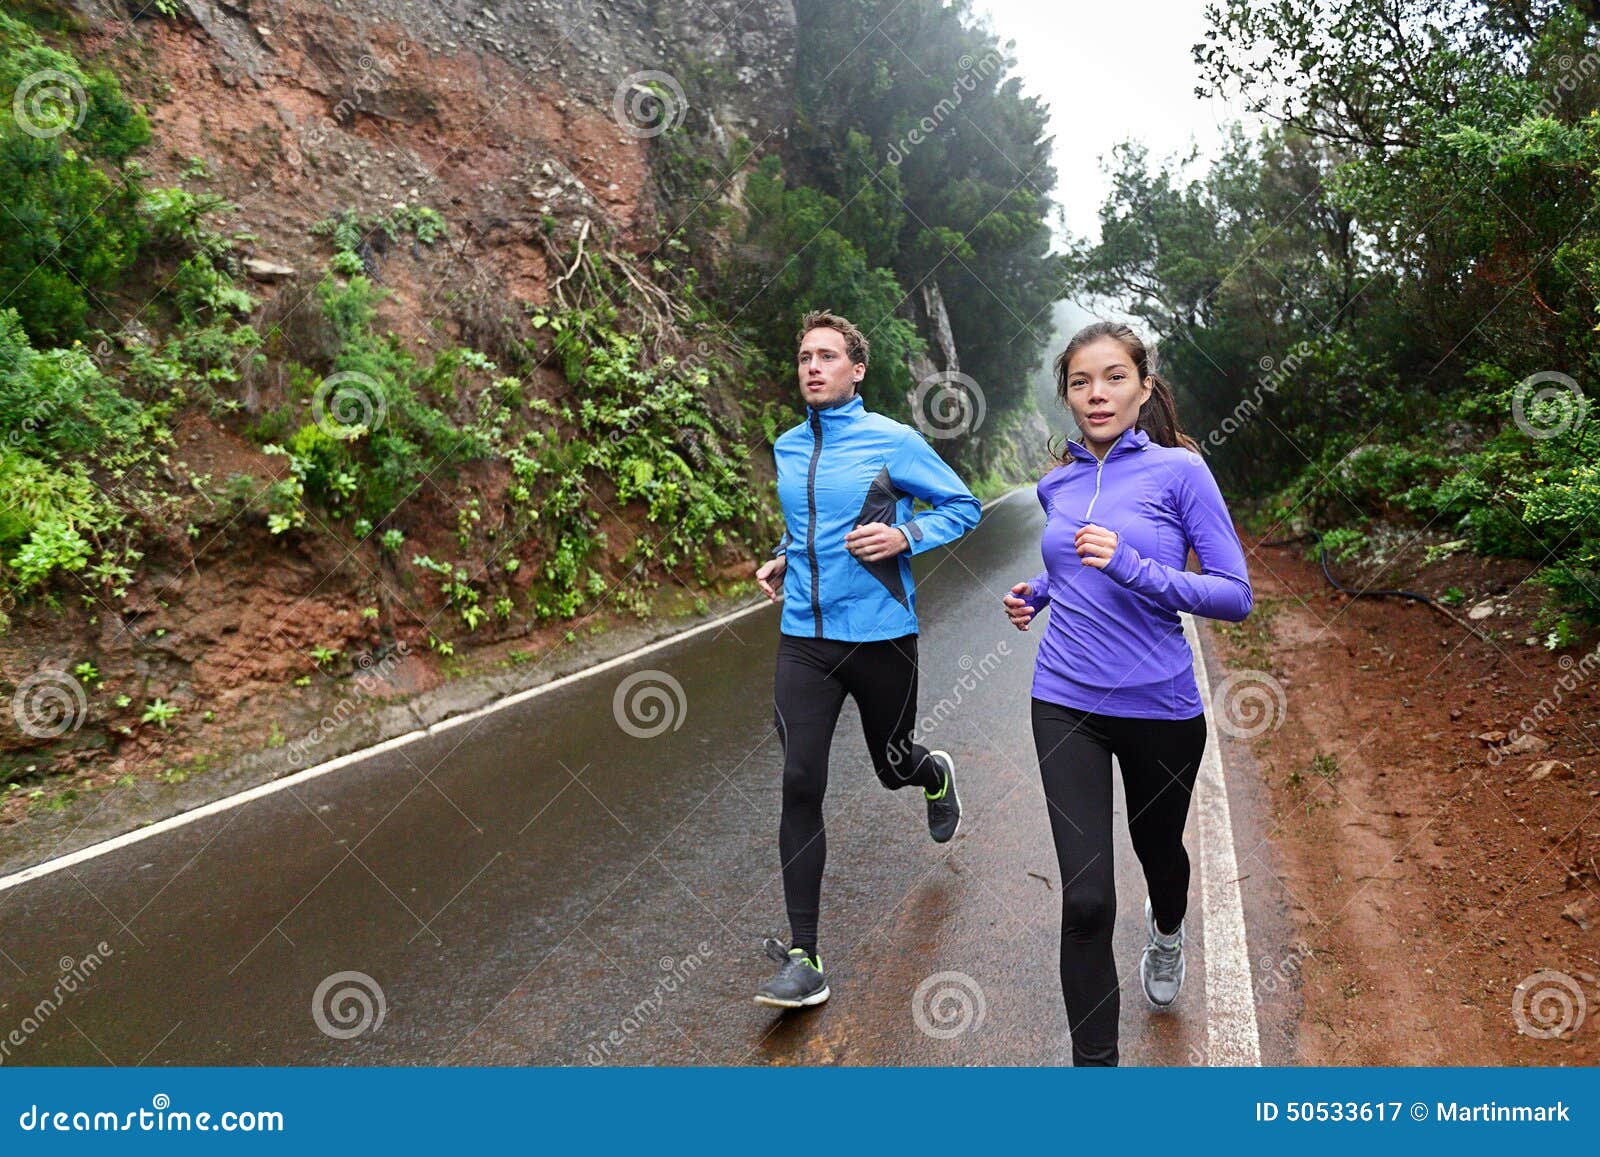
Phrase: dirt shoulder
(1433, 785)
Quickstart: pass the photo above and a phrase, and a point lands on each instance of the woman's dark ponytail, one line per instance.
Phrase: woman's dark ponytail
(1159, 416)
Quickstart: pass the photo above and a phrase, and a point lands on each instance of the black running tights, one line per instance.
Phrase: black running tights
(1159, 759)
(813, 677)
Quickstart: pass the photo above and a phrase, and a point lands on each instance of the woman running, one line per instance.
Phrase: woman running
(1114, 675)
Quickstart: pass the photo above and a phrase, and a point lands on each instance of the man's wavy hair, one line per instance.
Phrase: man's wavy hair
(855, 342)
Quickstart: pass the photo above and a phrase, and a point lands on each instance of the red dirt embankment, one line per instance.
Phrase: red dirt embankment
(1435, 794)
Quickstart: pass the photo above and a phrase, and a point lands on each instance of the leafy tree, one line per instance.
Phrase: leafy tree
(961, 150)
(911, 167)
(1411, 247)
(800, 261)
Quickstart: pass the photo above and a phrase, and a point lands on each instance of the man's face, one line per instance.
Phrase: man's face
(827, 375)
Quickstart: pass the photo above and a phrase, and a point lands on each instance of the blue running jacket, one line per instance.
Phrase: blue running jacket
(842, 467)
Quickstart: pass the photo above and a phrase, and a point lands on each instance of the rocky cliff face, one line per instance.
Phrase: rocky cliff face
(527, 127)
(505, 117)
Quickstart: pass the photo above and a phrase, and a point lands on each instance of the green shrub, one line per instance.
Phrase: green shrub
(71, 229)
(57, 402)
(1560, 500)
(48, 519)
(376, 436)
(1342, 544)
(644, 431)
(351, 231)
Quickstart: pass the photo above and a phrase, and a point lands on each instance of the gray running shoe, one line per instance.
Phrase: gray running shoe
(1161, 967)
(798, 984)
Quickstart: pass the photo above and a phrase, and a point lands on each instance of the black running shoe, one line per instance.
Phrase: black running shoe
(798, 984)
(944, 809)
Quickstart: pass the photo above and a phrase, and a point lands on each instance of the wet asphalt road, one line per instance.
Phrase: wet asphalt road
(541, 887)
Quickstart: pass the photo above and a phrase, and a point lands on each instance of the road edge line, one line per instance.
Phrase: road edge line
(316, 771)
(1232, 1034)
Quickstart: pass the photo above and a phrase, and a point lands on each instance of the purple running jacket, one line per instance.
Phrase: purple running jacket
(1113, 641)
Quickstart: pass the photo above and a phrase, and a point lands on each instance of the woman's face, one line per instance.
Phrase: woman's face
(1104, 392)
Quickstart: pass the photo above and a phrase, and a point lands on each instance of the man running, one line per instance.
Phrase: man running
(846, 480)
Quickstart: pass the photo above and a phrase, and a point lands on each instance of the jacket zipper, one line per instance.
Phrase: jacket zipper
(811, 525)
(1099, 466)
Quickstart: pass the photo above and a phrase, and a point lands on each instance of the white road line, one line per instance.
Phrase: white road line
(1232, 1037)
(227, 803)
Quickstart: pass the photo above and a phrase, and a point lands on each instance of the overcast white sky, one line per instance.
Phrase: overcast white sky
(1110, 72)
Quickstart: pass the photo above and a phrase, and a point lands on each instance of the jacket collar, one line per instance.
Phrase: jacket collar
(1129, 440)
(844, 411)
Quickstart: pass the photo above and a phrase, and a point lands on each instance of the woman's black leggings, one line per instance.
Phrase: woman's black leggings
(813, 677)
(1159, 759)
